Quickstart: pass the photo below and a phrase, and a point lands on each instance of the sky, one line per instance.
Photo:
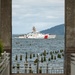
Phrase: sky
(42, 14)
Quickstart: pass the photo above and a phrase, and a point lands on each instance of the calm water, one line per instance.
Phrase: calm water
(36, 46)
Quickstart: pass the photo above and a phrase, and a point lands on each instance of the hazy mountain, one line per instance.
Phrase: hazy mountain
(58, 30)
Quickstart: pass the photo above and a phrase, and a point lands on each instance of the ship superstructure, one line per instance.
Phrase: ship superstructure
(37, 35)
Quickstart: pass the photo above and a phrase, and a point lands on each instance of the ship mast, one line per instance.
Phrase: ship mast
(34, 29)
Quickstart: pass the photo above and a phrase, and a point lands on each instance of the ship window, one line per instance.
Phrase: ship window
(42, 50)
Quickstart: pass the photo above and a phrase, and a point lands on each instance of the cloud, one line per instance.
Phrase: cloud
(28, 15)
(51, 17)
(30, 7)
(42, 25)
(39, 13)
(16, 6)
(37, 2)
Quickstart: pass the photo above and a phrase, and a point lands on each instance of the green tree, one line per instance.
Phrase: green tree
(1, 47)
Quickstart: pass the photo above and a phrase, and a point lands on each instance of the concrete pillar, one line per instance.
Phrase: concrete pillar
(6, 26)
(0, 18)
(70, 33)
(70, 25)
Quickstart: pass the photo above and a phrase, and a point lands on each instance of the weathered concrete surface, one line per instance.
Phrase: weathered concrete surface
(70, 33)
(0, 18)
(70, 23)
(6, 26)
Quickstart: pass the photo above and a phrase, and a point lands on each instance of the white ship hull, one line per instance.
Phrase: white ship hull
(37, 35)
(52, 36)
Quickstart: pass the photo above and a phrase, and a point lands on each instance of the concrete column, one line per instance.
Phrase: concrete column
(6, 26)
(70, 25)
(0, 18)
(67, 64)
(70, 33)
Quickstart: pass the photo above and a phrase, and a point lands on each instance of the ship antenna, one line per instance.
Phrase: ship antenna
(34, 29)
